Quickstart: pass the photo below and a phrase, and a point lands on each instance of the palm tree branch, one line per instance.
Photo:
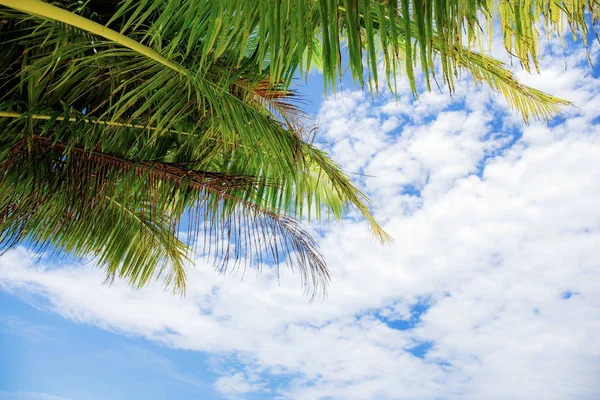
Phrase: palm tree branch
(234, 114)
(9, 114)
(240, 231)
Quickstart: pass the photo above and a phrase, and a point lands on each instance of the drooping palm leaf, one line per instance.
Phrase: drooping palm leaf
(409, 33)
(93, 203)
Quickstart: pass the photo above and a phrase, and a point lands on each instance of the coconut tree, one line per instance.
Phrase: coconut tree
(121, 119)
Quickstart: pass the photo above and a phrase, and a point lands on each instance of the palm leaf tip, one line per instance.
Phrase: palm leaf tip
(327, 185)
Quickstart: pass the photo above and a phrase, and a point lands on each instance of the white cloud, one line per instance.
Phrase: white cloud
(238, 384)
(496, 241)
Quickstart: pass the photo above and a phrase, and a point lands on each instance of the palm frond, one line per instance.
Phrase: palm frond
(125, 213)
(143, 88)
(49, 199)
(529, 102)
(280, 34)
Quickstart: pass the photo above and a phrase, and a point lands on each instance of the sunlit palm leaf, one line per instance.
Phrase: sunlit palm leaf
(410, 33)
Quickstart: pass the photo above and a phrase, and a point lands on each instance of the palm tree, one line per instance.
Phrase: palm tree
(121, 119)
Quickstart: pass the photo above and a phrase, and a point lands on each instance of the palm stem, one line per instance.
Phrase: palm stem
(48, 11)
(199, 179)
(8, 114)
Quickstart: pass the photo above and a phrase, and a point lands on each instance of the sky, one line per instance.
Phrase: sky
(491, 289)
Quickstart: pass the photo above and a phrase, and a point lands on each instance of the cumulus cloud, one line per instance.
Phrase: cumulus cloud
(238, 384)
(496, 229)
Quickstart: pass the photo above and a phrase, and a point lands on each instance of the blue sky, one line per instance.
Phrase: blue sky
(45, 353)
(492, 285)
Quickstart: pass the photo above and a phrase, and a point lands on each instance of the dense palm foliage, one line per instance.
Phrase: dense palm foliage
(120, 119)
